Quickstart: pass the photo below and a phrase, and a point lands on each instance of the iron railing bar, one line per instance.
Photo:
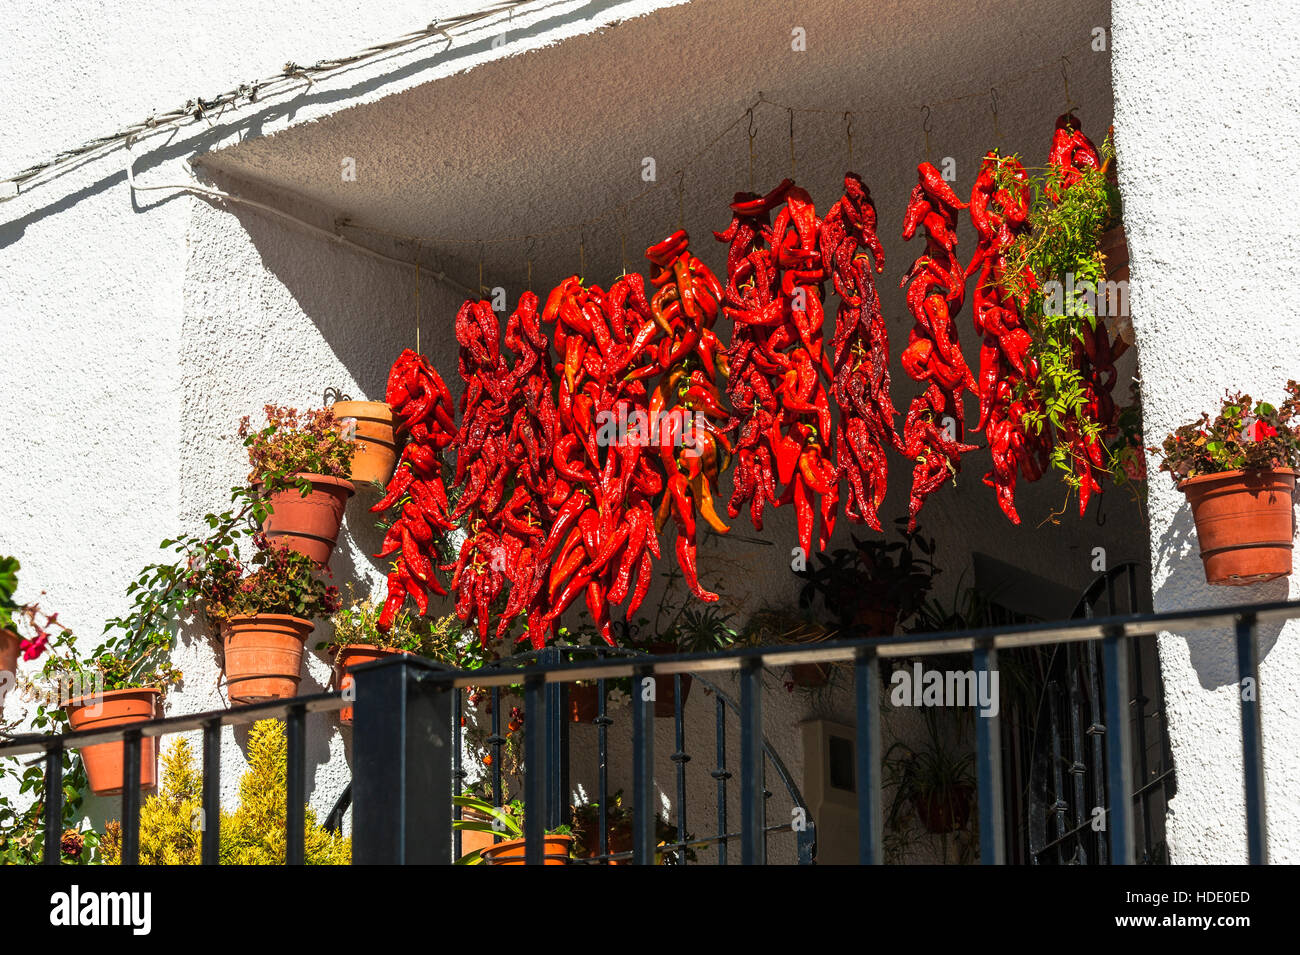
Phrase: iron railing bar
(751, 755)
(867, 692)
(1252, 743)
(1077, 766)
(643, 768)
(720, 773)
(603, 722)
(1099, 731)
(679, 757)
(211, 834)
(537, 772)
(1087, 824)
(1005, 637)
(988, 750)
(496, 741)
(458, 773)
(165, 726)
(1119, 768)
(131, 744)
(53, 853)
(295, 788)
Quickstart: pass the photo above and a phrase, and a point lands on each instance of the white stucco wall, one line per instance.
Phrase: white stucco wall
(1205, 144)
(135, 337)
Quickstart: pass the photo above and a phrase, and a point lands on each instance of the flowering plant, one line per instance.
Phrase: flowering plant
(1246, 435)
(283, 581)
(33, 627)
(294, 442)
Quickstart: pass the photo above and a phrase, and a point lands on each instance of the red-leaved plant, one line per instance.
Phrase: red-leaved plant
(1245, 436)
(296, 442)
(277, 580)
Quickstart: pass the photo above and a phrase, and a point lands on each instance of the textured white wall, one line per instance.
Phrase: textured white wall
(1206, 121)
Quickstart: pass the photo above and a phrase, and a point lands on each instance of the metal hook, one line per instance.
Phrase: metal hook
(530, 250)
(681, 191)
(993, 94)
(752, 128)
(792, 160)
(925, 128)
(848, 132)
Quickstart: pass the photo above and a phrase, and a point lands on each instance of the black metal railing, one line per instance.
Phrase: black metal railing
(404, 744)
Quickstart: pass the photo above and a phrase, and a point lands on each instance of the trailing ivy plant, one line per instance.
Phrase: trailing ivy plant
(1056, 269)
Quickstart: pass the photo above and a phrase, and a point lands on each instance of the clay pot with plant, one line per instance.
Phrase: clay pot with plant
(264, 611)
(301, 464)
(933, 780)
(868, 589)
(619, 840)
(371, 427)
(692, 630)
(107, 691)
(779, 626)
(357, 639)
(508, 820)
(1238, 472)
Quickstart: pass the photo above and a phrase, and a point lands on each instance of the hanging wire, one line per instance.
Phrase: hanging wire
(622, 237)
(848, 133)
(997, 131)
(530, 249)
(1065, 78)
(418, 250)
(681, 195)
(582, 254)
(925, 128)
(480, 269)
(792, 162)
(752, 130)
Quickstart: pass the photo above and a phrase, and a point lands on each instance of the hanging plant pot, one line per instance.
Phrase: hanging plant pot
(584, 704)
(104, 761)
(10, 647)
(309, 524)
(263, 656)
(354, 654)
(944, 810)
(1244, 524)
(375, 454)
(665, 697)
(557, 849)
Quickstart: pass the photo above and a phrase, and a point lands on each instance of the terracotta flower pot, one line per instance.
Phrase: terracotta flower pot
(263, 656)
(879, 621)
(309, 524)
(1244, 524)
(352, 655)
(10, 647)
(665, 698)
(375, 448)
(810, 676)
(584, 704)
(619, 840)
(471, 840)
(104, 761)
(557, 850)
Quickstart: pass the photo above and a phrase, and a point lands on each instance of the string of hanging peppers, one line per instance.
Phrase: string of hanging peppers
(566, 473)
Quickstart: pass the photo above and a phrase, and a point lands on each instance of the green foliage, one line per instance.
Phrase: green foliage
(8, 584)
(294, 442)
(872, 572)
(284, 581)
(1245, 435)
(1056, 269)
(444, 639)
(170, 820)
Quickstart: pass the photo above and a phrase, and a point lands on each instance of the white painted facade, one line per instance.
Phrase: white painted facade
(137, 333)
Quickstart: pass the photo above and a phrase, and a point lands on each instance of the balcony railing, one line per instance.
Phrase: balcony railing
(406, 741)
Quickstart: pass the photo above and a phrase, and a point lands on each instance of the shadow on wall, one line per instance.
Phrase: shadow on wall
(252, 124)
(1213, 653)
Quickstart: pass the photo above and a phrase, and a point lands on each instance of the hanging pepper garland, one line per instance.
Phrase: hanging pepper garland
(567, 473)
(936, 285)
(693, 449)
(423, 408)
(778, 363)
(859, 351)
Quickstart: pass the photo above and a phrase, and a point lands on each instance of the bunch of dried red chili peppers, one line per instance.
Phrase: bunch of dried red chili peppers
(566, 473)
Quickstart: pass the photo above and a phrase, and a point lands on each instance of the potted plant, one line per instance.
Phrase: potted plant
(508, 820)
(693, 630)
(357, 639)
(111, 690)
(1238, 473)
(264, 618)
(792, 627)
(301, 463)
(873, 586)
(619, 837)
(371, 427)
(25, 630)
(934, 780)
